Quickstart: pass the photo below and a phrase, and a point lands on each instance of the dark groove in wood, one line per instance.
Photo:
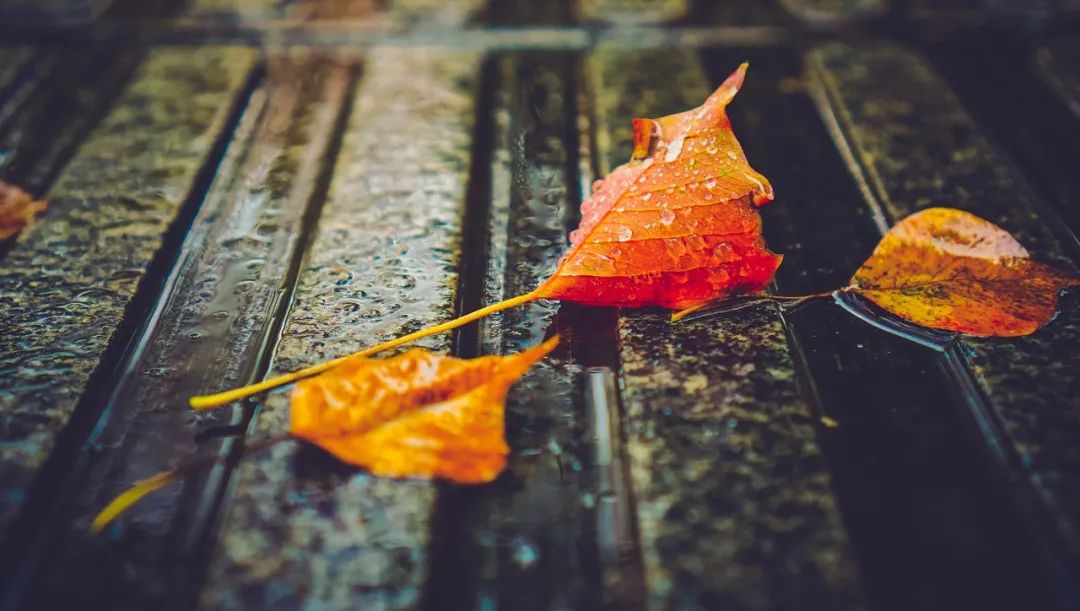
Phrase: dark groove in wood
(452, 561)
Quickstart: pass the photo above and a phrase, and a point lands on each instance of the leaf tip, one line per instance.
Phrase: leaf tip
(128, 498)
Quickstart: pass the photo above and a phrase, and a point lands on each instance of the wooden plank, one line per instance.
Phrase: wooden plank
(632, 12)
(66, 93)
(904, 468)
(734, 500)
(12, 62)
(833, 13)
(303, 530)
(532, 531)
(1056, 63)
(393, 14)
(65, 285)
(870, 93)
(219, 311)
(255, 10)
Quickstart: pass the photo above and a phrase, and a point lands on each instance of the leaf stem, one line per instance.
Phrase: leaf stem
(221, 398)
(141, 488)
(742, 301)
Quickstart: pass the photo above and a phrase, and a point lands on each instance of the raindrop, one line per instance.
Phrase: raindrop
(597, 185)
(723, 251)
(624, 233)
(667, 217)
(525, 554)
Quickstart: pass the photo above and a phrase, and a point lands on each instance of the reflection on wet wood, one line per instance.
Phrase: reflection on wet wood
(384, 262)
(913, 146)
(67, 281)
(632, 12)
(734, 502)
(231, 276)
(531, 530)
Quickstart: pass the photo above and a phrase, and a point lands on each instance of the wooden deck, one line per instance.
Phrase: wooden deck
(239, 188)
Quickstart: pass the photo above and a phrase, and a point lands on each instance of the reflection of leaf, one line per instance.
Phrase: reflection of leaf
(17, 209)
(949, 269)
(677, 224)
(418, 414)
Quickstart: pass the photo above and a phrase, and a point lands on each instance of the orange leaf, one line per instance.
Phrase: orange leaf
(17, 209)
(418, 414)
(677, 224)
(949, 269)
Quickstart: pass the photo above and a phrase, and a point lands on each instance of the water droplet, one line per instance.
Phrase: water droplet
(624, 233)
(597, 185)
(675, 247)
(724, 252)
(525, 554)
(667, 217)
(646, 197)
(710, 185)
(732, 155)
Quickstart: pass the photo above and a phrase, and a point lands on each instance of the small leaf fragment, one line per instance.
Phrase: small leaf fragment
(17, 209)
(948, 269)
(418, 414)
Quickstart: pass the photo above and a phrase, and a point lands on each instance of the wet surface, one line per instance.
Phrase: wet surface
(952, 164)
(230, 280)
(532, 529)
(70, 277)
(383, 263)
(719, 440)
(378, 166)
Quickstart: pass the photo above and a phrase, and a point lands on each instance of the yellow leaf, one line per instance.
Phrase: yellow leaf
(949, 269)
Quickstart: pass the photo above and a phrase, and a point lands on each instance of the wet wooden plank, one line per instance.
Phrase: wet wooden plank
(1037, 126)
(834, 13)
(734, 499)
(391, 15)
(210, 328)
(533, 533)
(66, 93)
(303, 530)
(12, 62)
(871, 94)
(904, 467)
(632, 12)
(275, 9)
(66, 283)
(1058, 64)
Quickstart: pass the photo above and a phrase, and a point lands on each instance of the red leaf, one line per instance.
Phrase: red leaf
(676, 225)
